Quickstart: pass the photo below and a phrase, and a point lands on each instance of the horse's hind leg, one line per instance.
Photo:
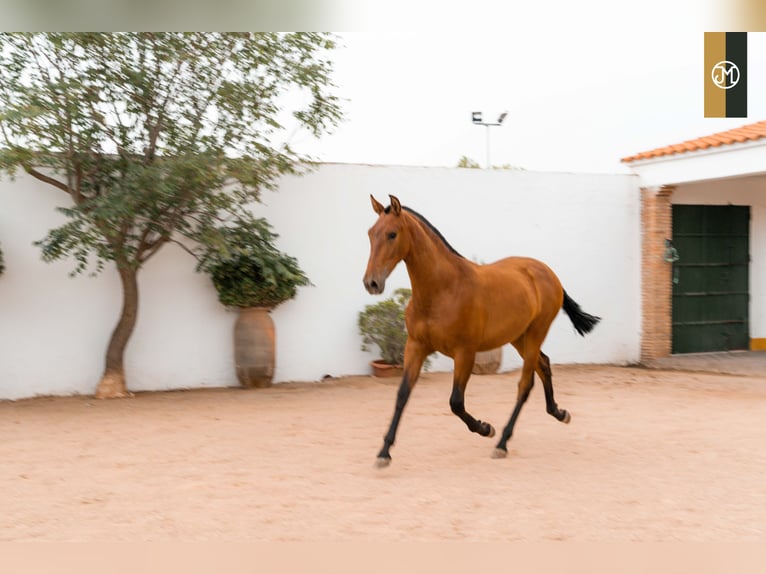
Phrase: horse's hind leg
(463, 366)
(528, 346)
(526, 382)
(534, 361)
(544, 370)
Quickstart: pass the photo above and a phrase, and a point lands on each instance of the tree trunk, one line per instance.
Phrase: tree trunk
(112, 383)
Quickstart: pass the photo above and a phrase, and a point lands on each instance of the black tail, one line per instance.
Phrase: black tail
(583, 323)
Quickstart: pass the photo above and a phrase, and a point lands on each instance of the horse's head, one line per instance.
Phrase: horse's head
(389, 242)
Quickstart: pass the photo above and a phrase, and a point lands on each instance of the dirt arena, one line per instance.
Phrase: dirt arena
(649, 456)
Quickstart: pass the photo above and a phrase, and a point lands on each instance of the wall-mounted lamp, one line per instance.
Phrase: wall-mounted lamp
(671, 256)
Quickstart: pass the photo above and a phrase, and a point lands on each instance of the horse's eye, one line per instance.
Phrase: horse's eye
(392, 235)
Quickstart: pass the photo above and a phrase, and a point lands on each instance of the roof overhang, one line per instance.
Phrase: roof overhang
(732, 160)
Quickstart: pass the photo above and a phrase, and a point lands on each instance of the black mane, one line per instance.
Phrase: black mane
(432, 228)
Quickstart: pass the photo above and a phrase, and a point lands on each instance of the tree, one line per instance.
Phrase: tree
(467, 162)
(156, 138)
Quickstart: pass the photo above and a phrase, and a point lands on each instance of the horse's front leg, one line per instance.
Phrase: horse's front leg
(463, 366)
(414, 355)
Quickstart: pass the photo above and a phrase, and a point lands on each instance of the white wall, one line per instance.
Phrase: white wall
(54, 329)
(739, 191)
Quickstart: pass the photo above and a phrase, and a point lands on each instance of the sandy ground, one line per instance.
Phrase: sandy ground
(649, 456)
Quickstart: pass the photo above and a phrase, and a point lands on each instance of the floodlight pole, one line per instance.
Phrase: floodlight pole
(476, 119)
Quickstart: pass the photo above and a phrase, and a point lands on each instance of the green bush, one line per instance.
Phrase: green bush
(383, 325)
(247, 269)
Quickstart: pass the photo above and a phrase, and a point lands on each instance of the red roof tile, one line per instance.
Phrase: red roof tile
(750, 132)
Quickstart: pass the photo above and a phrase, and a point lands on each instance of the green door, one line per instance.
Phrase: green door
(710, 297)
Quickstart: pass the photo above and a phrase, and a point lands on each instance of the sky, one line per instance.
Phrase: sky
(584, 83)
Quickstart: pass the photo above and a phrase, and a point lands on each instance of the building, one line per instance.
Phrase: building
(703, 219)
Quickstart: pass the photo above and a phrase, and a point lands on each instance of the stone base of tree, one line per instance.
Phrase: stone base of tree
(112, 386)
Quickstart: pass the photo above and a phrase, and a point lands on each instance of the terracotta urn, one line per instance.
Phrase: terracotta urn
(381, 369)
(254, 347)
(487, 362)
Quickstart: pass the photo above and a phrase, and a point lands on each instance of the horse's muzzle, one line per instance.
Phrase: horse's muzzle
(374, 286)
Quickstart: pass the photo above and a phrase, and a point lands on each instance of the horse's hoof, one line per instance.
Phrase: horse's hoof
(499, 453)
(490, 431)
(382, 462)
(567, 418)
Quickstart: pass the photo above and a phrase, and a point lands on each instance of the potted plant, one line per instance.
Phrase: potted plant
(252, 275)
(383, 325)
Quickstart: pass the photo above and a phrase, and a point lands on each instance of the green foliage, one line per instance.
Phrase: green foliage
(509, 167)
(467, 162)
(383, 325)
(157, 137)
(247, 269)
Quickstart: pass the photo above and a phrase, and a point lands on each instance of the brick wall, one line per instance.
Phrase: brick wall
(656, 273)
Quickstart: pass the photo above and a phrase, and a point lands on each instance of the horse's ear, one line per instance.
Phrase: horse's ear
(376, 205)
(395, 205)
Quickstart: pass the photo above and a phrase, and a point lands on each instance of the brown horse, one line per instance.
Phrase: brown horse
(459, 308)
